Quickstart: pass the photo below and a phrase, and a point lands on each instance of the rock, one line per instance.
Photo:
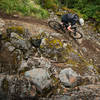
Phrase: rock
(19, 54)
(23, 66)
(60, 97)
(87, 92)
(36, 62)
(68, 77)
(74, 57)
(19, 42)
(17, 87)
(39, 77)
(29, 53)
(43, 41)
(90, 79)
(2, 77)
(33, 62)
(65, 45)
(84, 49)
(92, 70)
(7, 44)
(2, 24)
(44, 63)
(11, 48)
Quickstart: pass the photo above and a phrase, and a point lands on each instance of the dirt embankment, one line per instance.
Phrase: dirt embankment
(23, 18)
(33, 24)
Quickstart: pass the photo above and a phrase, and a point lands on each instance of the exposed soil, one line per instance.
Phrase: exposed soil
(23, 18)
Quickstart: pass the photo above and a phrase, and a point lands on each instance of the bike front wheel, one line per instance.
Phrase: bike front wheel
(77, 35)
(55, 25)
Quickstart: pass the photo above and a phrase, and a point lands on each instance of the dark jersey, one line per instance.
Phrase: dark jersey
(69, 18)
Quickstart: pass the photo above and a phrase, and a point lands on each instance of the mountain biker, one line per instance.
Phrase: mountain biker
(70, 19)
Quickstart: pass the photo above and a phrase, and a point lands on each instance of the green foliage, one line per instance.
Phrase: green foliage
(89, 9)
(85, 8)
(8, 5)
(26, 7)
(48, 4)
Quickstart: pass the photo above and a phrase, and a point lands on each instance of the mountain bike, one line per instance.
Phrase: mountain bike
(76, 34)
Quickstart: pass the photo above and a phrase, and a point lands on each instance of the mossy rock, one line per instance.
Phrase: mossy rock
(54, 43)
(39, 36)
(16, 29)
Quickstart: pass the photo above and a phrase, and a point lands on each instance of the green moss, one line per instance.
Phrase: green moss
(60, 13)
(39, 36)
(69, 48)
(54, 43)
(70, 61)
(16, 29)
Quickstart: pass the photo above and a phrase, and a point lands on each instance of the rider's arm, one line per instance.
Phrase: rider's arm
(69, 28)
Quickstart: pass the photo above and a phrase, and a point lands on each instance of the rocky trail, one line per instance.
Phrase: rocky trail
(61, 69)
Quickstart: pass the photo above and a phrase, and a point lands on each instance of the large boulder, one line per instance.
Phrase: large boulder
(40, 77)
(68, 77)
(19, 42)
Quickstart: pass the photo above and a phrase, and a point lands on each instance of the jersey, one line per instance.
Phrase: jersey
(70, 18)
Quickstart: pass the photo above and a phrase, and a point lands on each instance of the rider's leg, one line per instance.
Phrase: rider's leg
(74, 31)
(66, 25)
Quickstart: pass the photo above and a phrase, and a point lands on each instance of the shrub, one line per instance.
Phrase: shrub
(26, 7)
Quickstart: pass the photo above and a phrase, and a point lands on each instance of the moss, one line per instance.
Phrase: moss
(70, 61)
(39, 36)
(54, 43)
(16, 29)
(69, 48)
(59, 13)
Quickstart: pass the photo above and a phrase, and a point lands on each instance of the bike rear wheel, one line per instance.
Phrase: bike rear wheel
(55, 25)
(77, 35)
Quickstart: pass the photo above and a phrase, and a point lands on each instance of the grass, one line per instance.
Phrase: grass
(25, 7)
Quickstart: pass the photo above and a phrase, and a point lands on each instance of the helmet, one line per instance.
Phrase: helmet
(81, 21)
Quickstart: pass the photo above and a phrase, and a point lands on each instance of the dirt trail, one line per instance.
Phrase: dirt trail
(27, 19)
(33, 24)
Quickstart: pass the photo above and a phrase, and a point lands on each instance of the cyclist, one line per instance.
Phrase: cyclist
(70, 19)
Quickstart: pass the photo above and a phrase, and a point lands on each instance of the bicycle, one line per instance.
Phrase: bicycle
(61, 28)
